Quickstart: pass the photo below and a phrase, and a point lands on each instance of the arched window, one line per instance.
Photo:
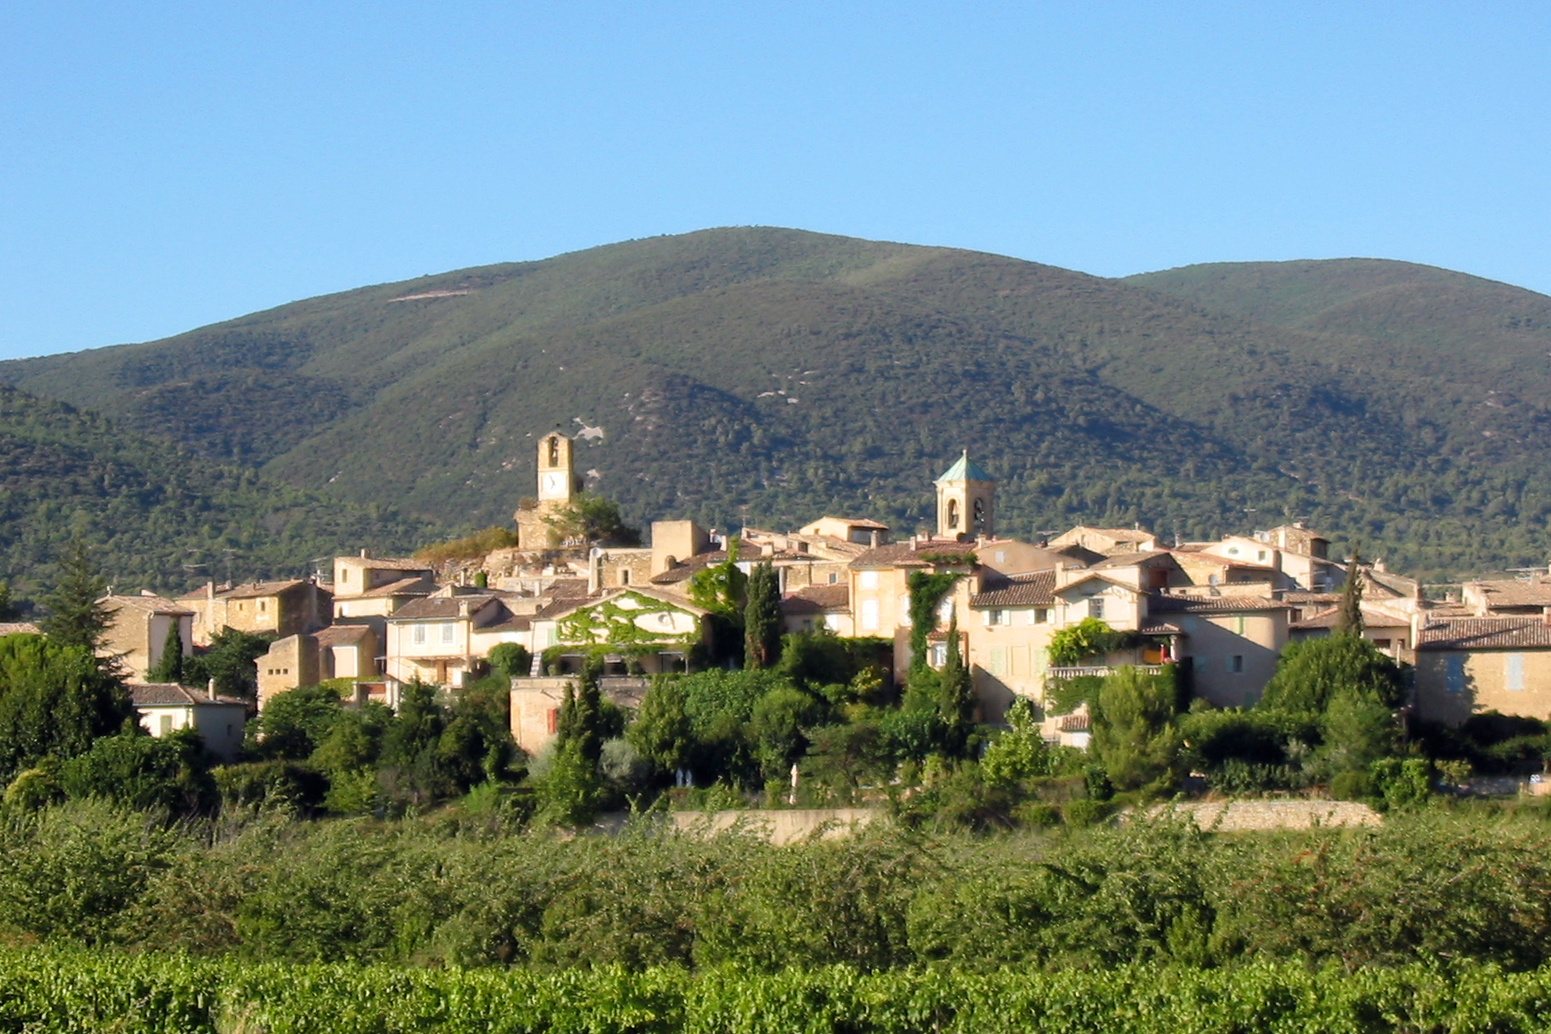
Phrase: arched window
(554, 452)
(953, 513)
(980, 515)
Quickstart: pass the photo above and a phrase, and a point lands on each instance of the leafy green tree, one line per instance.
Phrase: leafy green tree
(662, 731)
(231, 660)
(1134, 736)
(595, 520)
(75, 614)
(169, 667)
(149, 773)
(1090, 637)
(9, 611)
(762, 618)
(510, 660)
(295, 723)
(410, 746)
(1020, 752)
(777, 725)
(55, 699)
(1311, 673)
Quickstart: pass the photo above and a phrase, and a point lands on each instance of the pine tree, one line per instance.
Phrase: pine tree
(76, 616)
(1350, 619)
(8, 609)
(169, 667)
(573, 787)
(762, 619)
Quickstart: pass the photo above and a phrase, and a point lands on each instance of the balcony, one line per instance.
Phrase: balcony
(1099, 672)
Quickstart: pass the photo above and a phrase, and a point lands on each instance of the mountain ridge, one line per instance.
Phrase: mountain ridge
(762, 375)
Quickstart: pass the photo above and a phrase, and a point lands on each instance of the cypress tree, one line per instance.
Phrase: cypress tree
(957, 706)
(762, 619)
(8, 609)
(1350, 619)
(169, 667)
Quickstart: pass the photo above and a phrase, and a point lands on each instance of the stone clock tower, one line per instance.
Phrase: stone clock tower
(557, 490)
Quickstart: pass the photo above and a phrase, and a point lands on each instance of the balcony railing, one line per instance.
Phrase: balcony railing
(1099, 671)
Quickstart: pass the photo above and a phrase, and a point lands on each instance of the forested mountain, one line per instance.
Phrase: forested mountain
(157, 516)
(765, 376)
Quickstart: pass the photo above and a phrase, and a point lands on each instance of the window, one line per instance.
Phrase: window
(998, 617)
(1513, 671)
(419, 635)
(263, 605)
(624, 576)
(1236, 664)
(807, 624)
(867, 580)
(953, 513)
(1454, 674)
(869, 615)
(1260, 555)
(1039, 616)
(939, 654)
(833, 578)
(1233, 550)
(447, 632)
(1096, 607)
(1382, 644)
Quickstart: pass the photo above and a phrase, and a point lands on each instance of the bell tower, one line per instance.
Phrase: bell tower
(557, 477)
(557, 490)
(966, 501)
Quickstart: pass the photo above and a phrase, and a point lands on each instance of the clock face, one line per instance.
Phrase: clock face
(552, 484)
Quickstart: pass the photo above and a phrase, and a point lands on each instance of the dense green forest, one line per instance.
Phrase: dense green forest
(765, 376)
(156, 515)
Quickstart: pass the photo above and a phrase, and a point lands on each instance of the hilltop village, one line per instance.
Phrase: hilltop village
(1221, 612)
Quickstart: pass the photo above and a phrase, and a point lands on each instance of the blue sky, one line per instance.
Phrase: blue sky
(164, 165)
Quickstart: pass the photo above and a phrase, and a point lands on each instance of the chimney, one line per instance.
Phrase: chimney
(1545, 616)
(365, 555)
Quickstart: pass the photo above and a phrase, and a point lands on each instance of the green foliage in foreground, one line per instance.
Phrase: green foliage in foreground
(461, 890)
(140, 995)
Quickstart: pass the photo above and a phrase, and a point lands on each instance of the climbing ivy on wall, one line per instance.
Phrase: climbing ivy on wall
(926, 592)
(609, 622)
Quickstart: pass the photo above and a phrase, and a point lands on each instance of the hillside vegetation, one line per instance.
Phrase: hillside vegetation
(764, 376)
(157, 516)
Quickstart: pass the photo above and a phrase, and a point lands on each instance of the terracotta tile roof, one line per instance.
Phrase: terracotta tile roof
(430, 608)
(513, 623)
(342, 635)
(153, 604)
(1211, 604)
(1524, 633)
(389, 563)
(403, 587)
(170, 694)
(1332, 617)
(257, 590)
(1127, 559)
(1302, 596)
(910, 554)
(815, 599)
(18, 628)
(1514, 593)
(574, 588)
(1021, 590)
(1160, 628)
(686, 569)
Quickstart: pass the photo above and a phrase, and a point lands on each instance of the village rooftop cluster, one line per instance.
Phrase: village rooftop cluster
(1220, 611)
